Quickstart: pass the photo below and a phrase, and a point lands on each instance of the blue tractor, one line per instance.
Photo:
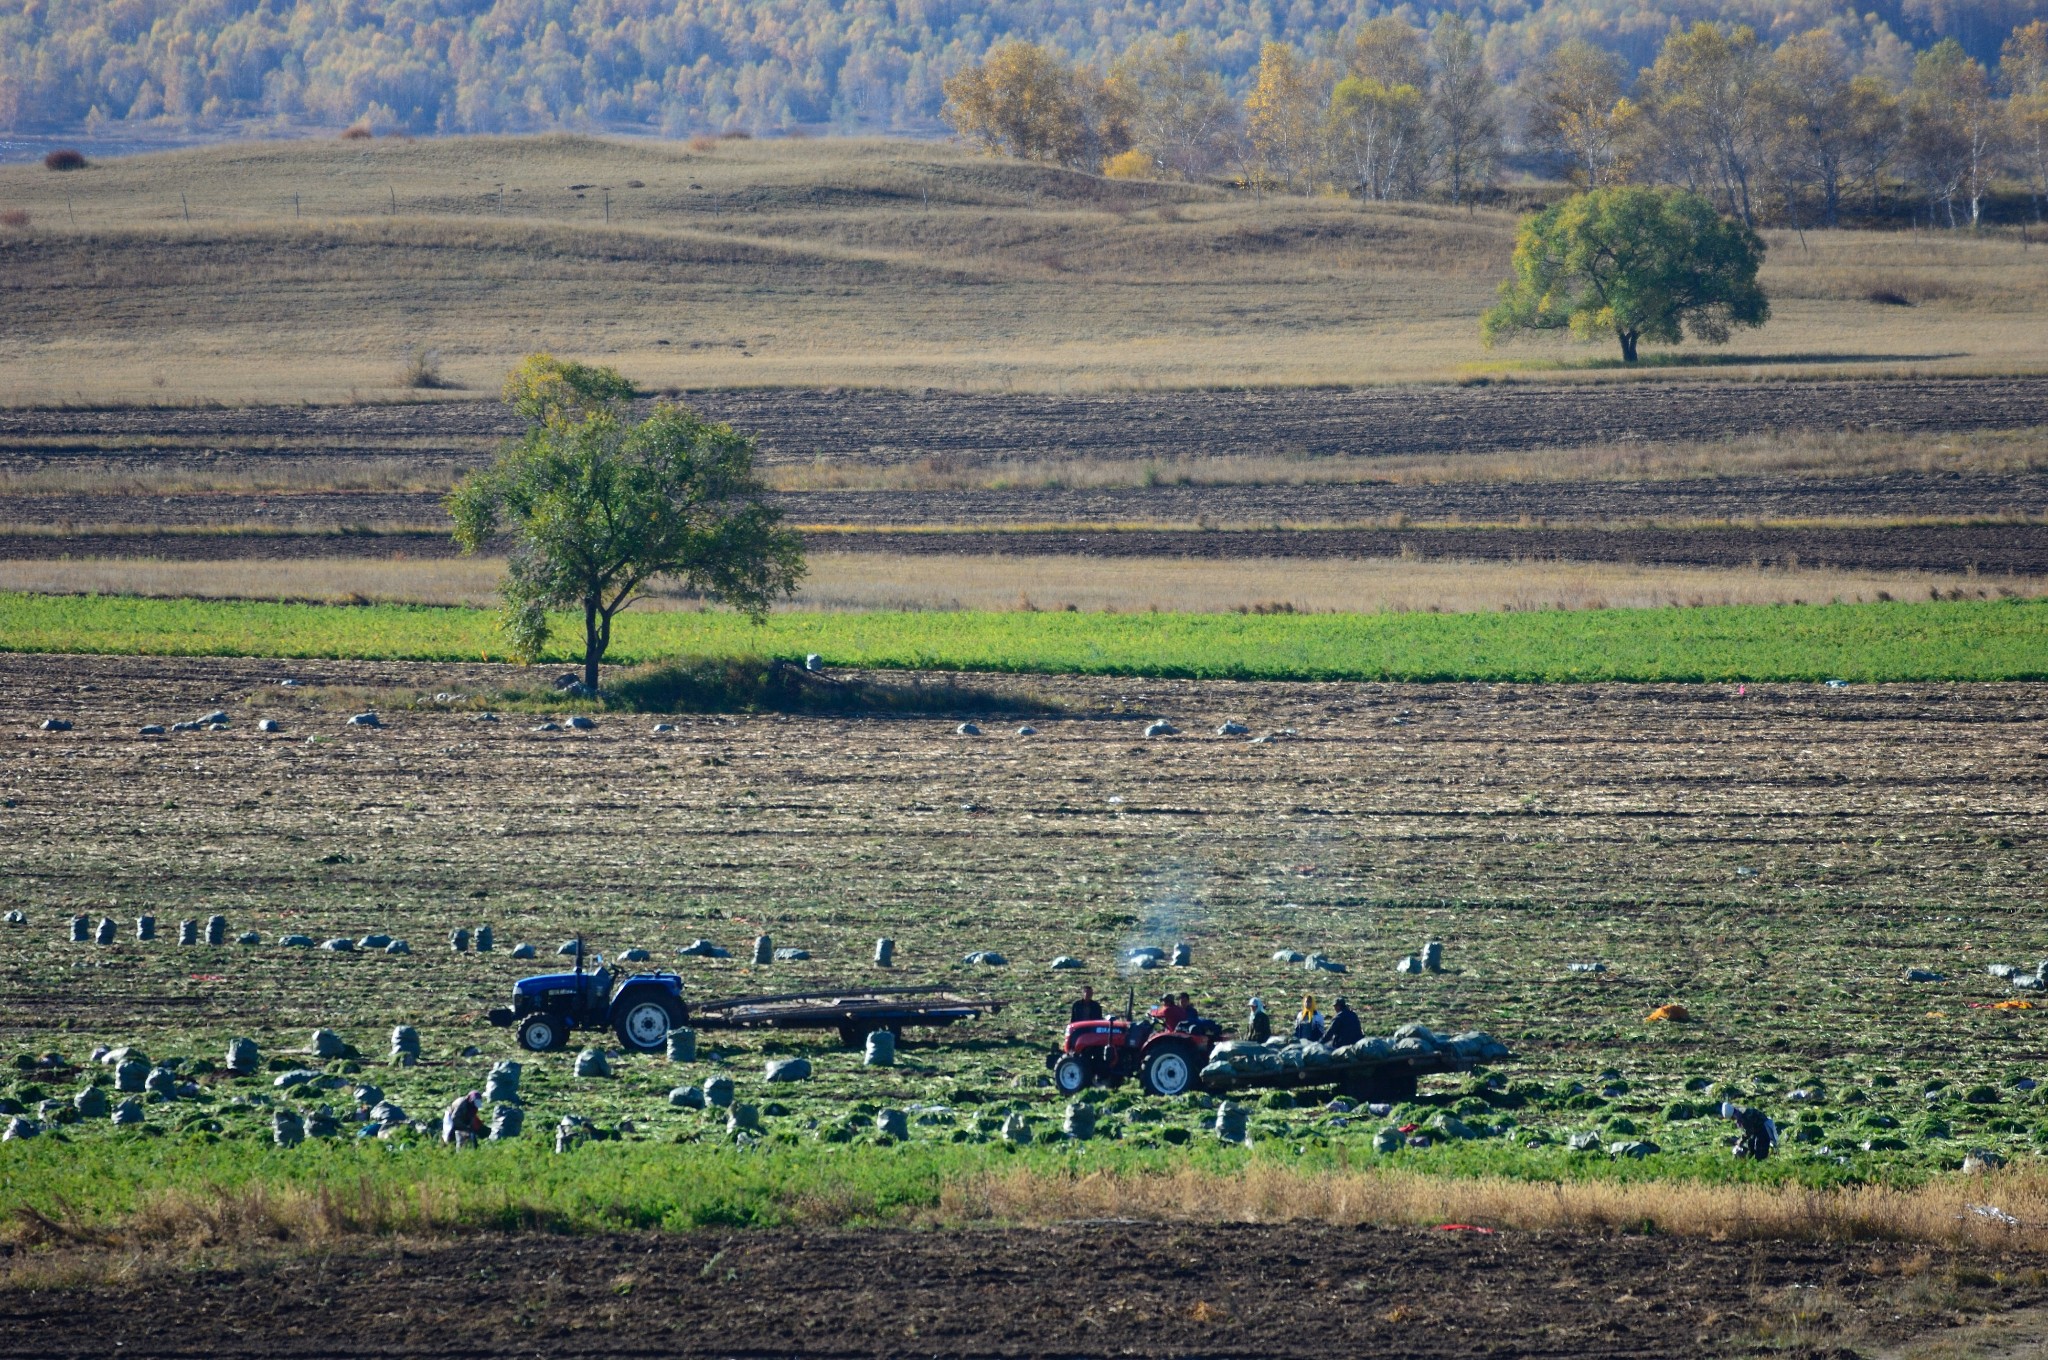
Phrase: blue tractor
(641, 1009)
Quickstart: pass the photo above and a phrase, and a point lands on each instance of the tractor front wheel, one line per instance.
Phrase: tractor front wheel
(1070, 1075)
(1168, 1072)
(541, 1033)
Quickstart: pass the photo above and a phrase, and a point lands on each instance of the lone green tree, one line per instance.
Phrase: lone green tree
(1641, 264)
(599, 504)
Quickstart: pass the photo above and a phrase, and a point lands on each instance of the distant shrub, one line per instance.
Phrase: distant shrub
(356, 132)
(421, 369)
(1885, 297)
(751, 684)
(735, 135)
(65, 159)
(1132, 164)
(14, 217)
(703, 141)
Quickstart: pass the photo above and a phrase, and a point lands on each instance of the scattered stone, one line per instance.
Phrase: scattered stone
(967, 729)
(81, 929)
(385, 1114)
(145, 927)
(56, 725)
(591, 1063)
(1977, 1161)
(216, 930)
(320, 1123)
(507, 1121)
(545, 727)
(287, 1129)
(1289, 956)
(326, 1045)
(150, 730)
(635, 956)
(217, 716)
(524, 951)
(986, 958)
(1316, 963)
(405, 1039)
(1016, 1129)
(686, 1098)
(682, 1044)
(1232, 728)
(373, 941)
(1389, 1140)
(114, 1057)
(484, 939)
(791, 955)
(2028, 982)
(485, 718)
(365, 720)
(570, 947)
(1027, 730)
(17, 918)
(892, 1124)
(659, 728)
(1161, 728)
(1411, 964)
(1923, 975)
(295, 941)
(1586, 967)
(764, 950)
(243, 1057)
(1433, 956)
(501, 1087)
(743, 1118)
(1079, 1121)
(269, 725)
(1181, 955)
(787, 1069)
(298, 1076)
(104, 932)
(91, 1103)
(1232, 1121)
(581, 723)
(127, 1113)
(161, 1081)
(885, 952)
(458, 940)
(718, 1092)
(1066, 963)
(704, 949)
(130, 1075)
(880, 1050)
(814, 662)
(398, 947)
(339, 945)
(20, 1129)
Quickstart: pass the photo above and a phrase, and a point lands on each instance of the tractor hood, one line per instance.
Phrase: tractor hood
(544, 983)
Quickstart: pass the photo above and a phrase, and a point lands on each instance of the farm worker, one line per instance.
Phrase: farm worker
(1087, 1008)
(1260, 1026)
(1169, 1013)
(462, 1125)
(1759, 1135)
(1308, 1023)
(1187, 1004)
(1344, 1027)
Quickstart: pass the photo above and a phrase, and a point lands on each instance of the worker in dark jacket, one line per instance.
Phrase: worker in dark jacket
(1259, 1027)
(1759, 1136)
(1343, 1027)
(1087, 1008)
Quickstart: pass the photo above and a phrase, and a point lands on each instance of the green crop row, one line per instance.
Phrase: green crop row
(1963, 640)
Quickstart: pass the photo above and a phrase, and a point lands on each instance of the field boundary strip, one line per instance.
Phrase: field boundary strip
(1896, 641)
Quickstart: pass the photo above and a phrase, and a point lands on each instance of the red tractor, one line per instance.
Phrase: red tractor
(1106, 1052)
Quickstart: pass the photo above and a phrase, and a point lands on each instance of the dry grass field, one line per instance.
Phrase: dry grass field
(319, 270)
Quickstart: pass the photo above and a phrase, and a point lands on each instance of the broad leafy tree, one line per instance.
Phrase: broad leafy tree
(599, 504)
(1639, 264)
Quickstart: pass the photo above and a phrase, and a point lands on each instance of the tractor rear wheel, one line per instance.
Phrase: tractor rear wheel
(643, 1025)
(1168, 1072)
(540, 1033)
(1070, 1075)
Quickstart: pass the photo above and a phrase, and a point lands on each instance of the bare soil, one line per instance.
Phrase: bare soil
(1087, 1289)
(1994, 550)
(890, 427)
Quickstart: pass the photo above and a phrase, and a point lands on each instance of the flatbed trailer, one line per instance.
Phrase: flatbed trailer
(854, 1012)
(1388, 1080)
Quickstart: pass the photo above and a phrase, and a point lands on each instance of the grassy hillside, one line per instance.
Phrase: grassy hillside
(313, 270)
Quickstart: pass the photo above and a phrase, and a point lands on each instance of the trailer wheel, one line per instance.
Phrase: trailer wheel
(1168, 1072)
(1070, 1075)
(540, 1033)
(851, 1036)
